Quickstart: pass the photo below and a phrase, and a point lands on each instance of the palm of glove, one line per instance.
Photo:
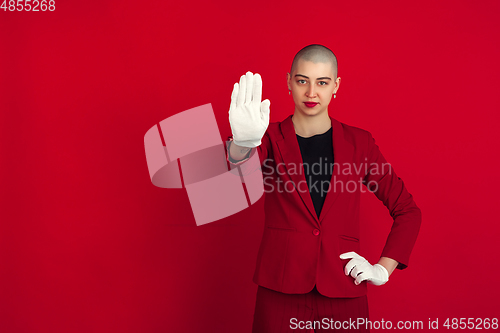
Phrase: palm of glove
(248, 115)
(360, 269)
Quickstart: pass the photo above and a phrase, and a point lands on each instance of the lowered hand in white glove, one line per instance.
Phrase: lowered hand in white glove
(360, 269)
(248, 115)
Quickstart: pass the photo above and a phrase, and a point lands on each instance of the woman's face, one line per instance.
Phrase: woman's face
(312, 82)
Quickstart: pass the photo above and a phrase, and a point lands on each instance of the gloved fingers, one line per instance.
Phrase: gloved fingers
(265, 111)
(242, 91)
(361, 267)
(349, 255)
(350, 265)
(356, 266)
(360, 278)
(234, 97)
(355, 271)
(257, 91)
(249, 87)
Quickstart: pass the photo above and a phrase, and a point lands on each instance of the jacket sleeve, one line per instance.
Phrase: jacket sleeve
(263, 150)
(390, 189)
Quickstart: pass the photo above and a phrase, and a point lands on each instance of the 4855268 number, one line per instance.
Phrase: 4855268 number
(28, 5)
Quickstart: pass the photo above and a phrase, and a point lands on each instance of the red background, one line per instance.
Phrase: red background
(88, 244)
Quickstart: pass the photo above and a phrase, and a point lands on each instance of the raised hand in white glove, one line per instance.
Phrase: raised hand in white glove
(248, 116)
(360, 269)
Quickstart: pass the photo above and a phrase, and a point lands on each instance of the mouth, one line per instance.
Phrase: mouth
(310, 104)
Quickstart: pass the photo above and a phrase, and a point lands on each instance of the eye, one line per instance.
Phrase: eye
(325, 83)
(300, 81)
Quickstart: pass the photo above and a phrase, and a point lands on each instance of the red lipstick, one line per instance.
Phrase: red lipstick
(310, 104)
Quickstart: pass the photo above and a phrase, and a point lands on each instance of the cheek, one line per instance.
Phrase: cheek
(328, 97)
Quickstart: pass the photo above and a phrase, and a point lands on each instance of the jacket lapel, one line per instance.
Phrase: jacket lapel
(292, 158)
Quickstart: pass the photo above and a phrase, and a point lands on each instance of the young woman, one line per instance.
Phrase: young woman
(309, 269)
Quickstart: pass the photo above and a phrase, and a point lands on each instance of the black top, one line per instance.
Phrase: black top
(317, 157)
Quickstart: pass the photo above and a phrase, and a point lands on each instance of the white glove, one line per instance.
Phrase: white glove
(360, 269)
(248, 116)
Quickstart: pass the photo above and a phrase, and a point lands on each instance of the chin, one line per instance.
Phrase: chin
(310, 112)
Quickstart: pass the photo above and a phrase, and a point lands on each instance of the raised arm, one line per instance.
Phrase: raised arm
(237, 153)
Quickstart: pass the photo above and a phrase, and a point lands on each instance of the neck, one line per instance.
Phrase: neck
(307, 126)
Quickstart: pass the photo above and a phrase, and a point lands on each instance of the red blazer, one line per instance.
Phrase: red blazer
(298, 250)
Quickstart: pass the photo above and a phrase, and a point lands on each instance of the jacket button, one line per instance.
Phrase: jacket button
(315, 232)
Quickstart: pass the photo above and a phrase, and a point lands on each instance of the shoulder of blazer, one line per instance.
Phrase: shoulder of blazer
(353, 133)
(360, 140)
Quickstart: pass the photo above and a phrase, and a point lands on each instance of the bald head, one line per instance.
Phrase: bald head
(316, 53)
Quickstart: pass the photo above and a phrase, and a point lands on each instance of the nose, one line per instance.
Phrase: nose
(310, 91)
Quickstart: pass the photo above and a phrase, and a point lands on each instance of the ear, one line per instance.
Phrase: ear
(337, 83)
(288, 80)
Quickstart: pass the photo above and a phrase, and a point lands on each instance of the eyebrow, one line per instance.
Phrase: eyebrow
(319, 78)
